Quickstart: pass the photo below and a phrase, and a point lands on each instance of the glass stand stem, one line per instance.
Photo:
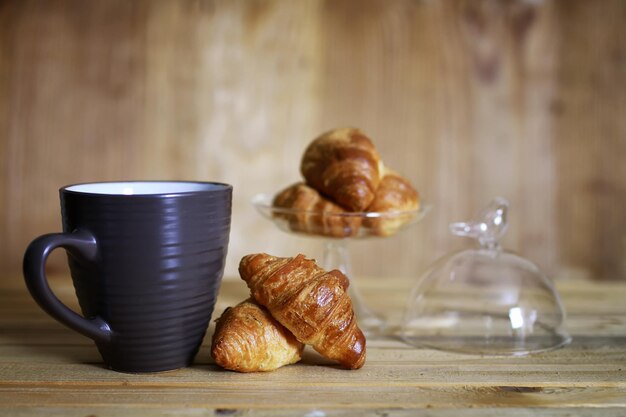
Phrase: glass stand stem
(336, 256)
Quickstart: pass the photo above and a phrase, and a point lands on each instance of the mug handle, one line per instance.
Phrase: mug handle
(80, 243)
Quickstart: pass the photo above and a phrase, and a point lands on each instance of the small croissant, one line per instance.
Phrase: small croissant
(248, 339)
(344, 165)
(394, 194)
(311, 303)
(313, 213)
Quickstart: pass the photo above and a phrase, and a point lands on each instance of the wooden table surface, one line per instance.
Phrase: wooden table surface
(47, 369)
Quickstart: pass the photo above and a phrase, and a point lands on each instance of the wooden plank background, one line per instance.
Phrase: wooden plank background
(470, 99)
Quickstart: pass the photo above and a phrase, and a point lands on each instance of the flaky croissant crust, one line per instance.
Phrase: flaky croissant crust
(344, 165)
(248, 339)
(311, 303)
(313, 213)
(394, 194)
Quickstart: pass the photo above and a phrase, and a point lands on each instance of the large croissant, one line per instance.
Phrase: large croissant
(345, 165)
(394, 194)
(314, 214)
(309, 302)
(248, 339)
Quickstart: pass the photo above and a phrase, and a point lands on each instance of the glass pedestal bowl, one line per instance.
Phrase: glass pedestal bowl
(336, 230)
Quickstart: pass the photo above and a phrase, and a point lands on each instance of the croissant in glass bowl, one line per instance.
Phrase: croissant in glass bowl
(307, 211)
(396, 201)
(344, 165)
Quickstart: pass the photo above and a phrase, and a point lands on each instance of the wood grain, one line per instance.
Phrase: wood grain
(315, 411)
(589, 109)
(46, 369)
(470, 99)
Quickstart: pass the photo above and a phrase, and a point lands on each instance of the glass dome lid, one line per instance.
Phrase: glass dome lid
(485, 300)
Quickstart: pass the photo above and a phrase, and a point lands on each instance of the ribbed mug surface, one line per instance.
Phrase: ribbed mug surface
(157, 272)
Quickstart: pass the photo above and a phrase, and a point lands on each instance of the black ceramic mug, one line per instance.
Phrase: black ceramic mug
(146, 259)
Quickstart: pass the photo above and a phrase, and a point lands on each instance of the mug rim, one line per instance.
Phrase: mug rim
(215, 187)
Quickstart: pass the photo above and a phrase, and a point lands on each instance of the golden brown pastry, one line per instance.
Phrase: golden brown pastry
(344, 165)
(316, 214)
(248, 339)
(312, 303)
(395, 193)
